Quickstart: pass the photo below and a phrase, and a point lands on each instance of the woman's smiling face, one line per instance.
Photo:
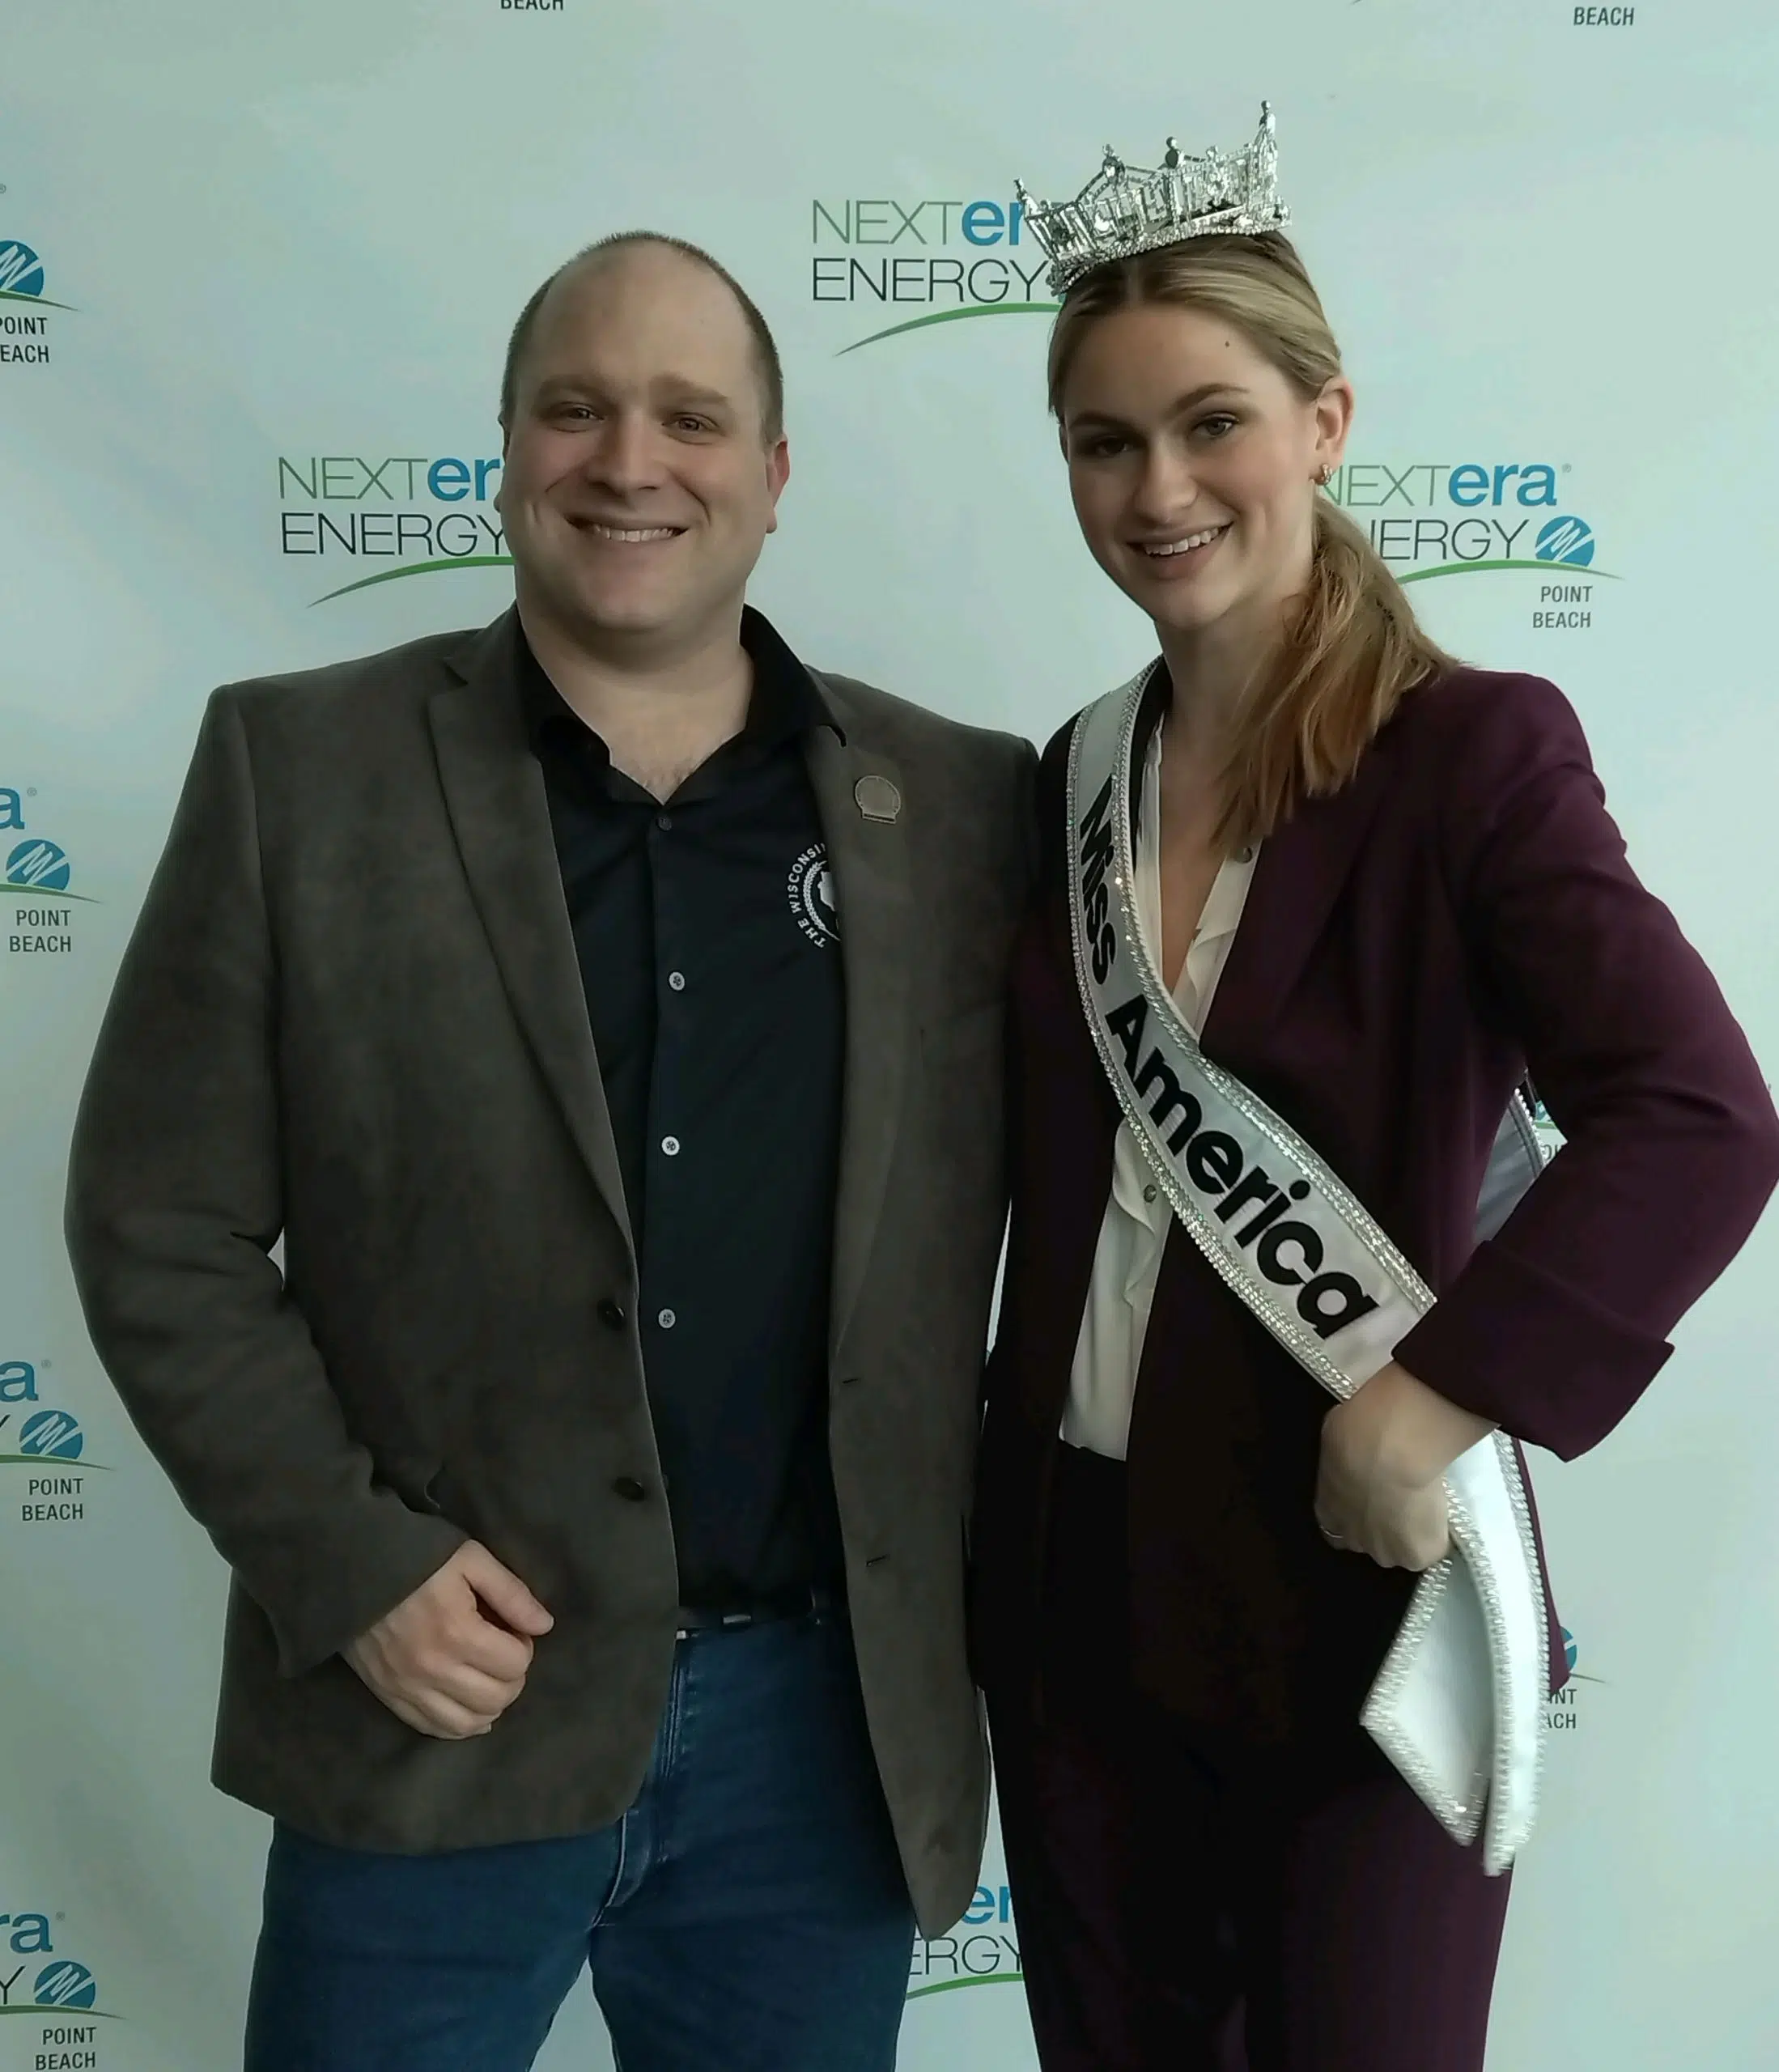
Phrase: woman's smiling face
(1192, 462)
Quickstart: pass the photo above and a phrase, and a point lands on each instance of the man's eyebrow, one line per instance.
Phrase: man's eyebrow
(692, 392)
(674, 392)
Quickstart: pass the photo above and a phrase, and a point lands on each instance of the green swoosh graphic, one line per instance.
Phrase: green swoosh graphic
(43, 302)
(76, 1466)
(958, 1985)
(43, 892)
(421, 568)
(955, 317)
(1575, 569)
(64, 2013)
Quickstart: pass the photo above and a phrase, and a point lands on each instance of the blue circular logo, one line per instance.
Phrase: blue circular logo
(37, 862)
(53, 1434)
(1568, 1648)
(21, 270)
(65, 1984)
(1567, 540)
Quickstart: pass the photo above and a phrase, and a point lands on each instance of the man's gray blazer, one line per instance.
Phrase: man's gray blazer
(351, 1014)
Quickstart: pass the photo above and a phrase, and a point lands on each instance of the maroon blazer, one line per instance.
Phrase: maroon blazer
(1460, 915)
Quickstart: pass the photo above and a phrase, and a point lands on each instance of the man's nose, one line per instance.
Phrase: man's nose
(626, 457)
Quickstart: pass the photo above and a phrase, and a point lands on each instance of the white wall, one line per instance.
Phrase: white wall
(303, 232)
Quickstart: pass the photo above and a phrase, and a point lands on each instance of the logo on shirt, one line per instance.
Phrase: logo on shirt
(811, 889)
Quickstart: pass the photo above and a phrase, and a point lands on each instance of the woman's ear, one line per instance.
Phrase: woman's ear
(1334, 408)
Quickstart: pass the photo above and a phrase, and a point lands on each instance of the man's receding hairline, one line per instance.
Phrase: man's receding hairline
(606, 252)
(612, 251)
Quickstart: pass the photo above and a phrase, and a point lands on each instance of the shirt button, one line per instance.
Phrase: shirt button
(611, 1314)
(1150, 1191)
(627, 1487)
(666, 1320)
(664, 821)
(676, 980)
(671, 1146)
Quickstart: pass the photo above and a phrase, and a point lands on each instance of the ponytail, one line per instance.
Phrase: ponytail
(1352, 650)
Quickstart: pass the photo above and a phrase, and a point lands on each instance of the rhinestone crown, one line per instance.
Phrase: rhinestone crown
(1125, 208)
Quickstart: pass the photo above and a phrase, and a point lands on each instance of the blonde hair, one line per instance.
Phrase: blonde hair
(1352, 648)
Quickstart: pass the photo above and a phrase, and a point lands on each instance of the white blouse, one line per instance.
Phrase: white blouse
(1102, 1381)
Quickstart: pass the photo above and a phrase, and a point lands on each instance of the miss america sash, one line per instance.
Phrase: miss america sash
(1458, 1704)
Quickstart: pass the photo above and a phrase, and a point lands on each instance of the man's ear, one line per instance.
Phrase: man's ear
(777, 473)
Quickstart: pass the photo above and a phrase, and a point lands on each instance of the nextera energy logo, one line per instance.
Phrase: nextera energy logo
(421, 515)
(940, 261)
(1436, 518)
(982, 1949)
(24, 329)
(39, 1982)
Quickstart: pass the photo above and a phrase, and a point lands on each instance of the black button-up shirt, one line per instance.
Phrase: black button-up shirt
(709, 948)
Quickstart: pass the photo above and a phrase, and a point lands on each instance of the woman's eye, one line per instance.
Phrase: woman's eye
(1218, 426)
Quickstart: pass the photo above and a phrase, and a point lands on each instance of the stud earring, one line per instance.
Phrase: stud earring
(1324, 475)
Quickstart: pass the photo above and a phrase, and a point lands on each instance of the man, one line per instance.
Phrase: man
(605, 1010)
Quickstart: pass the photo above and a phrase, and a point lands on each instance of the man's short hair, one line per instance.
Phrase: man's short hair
(766, 351)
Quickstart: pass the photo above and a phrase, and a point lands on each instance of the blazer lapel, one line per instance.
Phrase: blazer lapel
(1301, 870)
(494, 792)
(870, 859)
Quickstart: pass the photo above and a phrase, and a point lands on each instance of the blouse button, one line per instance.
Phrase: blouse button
(1150, 1191)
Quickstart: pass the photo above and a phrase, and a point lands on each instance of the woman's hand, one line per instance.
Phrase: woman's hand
(1385, 1452)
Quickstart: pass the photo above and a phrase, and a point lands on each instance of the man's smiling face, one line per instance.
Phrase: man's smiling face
(641, 479)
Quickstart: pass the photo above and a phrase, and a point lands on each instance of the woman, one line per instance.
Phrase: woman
(1384, 887)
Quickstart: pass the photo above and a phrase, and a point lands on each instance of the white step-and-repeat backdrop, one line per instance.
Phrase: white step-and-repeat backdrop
(257, 265)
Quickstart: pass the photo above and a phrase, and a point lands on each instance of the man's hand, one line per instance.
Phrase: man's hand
(452, 1657)
(1385, 1452)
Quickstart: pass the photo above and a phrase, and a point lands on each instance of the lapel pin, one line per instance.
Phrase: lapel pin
(878, 798)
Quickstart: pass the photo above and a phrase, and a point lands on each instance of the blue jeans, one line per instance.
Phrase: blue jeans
(748, 1914)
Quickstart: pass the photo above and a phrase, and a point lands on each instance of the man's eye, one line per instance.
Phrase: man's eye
(1102, 446)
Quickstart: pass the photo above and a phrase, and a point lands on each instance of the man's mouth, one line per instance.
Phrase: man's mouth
(631, 536)
(1166, 550)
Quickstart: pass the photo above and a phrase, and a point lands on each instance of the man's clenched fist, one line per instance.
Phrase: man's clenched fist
(452, 1657)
